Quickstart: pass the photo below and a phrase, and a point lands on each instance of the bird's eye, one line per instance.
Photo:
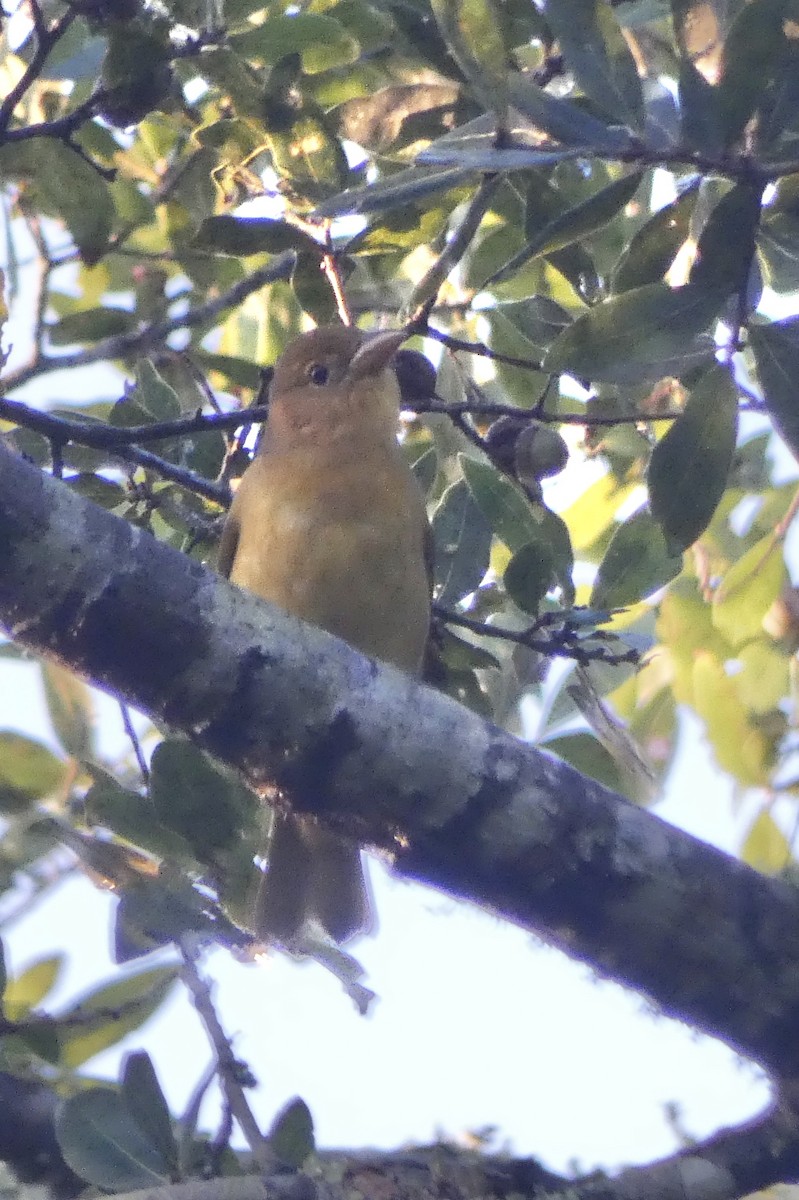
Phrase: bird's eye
(318, 374)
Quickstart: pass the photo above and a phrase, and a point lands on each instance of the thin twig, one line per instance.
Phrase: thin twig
(133, 738)
(231, 1071)
(565, 642)
(45, 41)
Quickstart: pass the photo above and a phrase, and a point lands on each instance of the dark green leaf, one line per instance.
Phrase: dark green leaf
(91, 325)
(64, 186)
(637, 562)
(726, 245)
(585, 218)
(207, 807)
(131, 816)
(641, 335)
(29, 772)
(102, 1143)
(596, 51)
(249, 235)
(776, 350)
(395, 190)
(144, 1100)
(97, 489)
(753, 51)
(529, 576)
(587, 755)
(563, 119)
(462, 544)
(292, 1135)
(778, 251)
(539, 320)
(700, 118)
(653, 248)
(690, 466)
(510, 515)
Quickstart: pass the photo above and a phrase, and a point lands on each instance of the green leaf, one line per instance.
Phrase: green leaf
(205, 806)
(776, 350)
(91, 325)
(510, 515)
(778, 251)
(654, 246)
(108, 1013)
(142, 1096)
(539, 320)
(131, 816)
(27, 990)
(637, 563)
(700, 119)
(585, 218)
(462, 544)
(102, 1143)
(594, 48)
(640, 336)
(241, 236)
(322, 42)
(154, 394)
(70, 708)
(748, 590)
(690, 466)
(765, 846)
(29, 772)
(291, 1137)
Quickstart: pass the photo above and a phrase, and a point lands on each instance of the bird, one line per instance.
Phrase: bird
(330, 524)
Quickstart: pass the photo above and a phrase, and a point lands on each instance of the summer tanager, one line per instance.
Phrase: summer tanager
(329, 523)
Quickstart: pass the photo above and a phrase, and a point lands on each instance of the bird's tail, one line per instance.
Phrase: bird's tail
(313, 877)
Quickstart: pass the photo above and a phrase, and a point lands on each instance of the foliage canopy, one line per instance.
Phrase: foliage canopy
(587, 214)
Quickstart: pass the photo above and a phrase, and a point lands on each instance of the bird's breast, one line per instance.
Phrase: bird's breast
(344, 549)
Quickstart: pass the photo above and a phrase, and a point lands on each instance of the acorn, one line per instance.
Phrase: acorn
(416, 376)
(540, 452)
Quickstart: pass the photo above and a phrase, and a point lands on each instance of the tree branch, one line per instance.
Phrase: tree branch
(493, 821)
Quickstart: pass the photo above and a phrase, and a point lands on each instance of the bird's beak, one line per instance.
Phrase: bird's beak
(376, 353)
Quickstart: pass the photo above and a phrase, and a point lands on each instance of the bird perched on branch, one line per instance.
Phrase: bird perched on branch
(329, 523)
